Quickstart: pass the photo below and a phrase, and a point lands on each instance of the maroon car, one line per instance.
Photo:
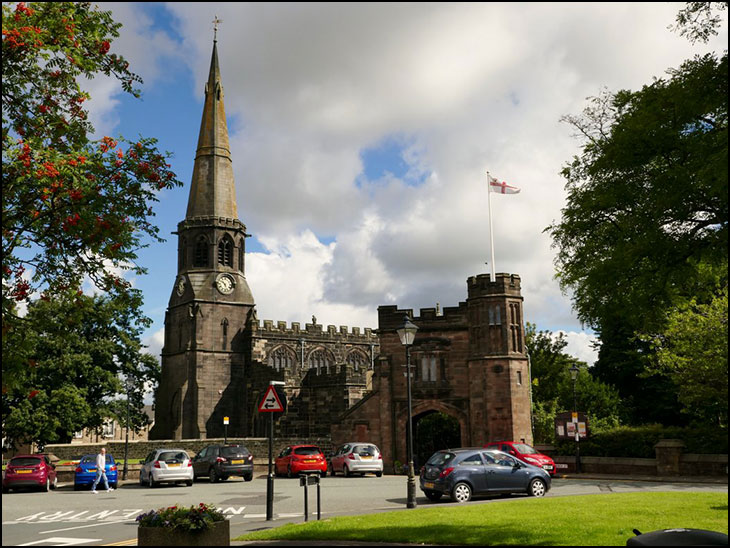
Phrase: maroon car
(29, 471)
(525, 452)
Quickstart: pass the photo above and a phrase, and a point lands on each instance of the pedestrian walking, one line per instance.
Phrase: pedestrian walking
(101, 471)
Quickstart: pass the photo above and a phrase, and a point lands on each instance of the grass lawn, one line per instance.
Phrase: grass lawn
(586, 520)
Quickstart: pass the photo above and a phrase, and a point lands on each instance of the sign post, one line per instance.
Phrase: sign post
(225, 430)
(272, 403)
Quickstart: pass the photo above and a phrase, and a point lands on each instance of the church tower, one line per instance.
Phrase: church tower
(203, 357)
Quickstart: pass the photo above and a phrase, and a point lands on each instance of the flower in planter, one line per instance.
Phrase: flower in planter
(194, 518)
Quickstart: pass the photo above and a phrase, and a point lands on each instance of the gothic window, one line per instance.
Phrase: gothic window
(224, 326)
(225, 252)
(320, 359)
(281, 358)
(515, 327)
(241, 253)
(429, 368)
(357, 360)
(495, 315)
(201, 252)
(183, 253)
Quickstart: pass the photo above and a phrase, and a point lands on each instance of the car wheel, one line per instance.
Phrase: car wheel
(248, 478)
(288, 471)
(537, 488)
(433, 495)
(212, 476)
(54, 485)
(47, 486)
(113, 485)
(461, 492)
(141, 481)
(346, 471)
(189, 483)
(378, 474)
(151, 481)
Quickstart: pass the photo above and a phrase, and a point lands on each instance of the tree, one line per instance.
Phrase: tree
(73, 208)
(647, 211)
(79, 350)
(645, 228)
(692, 351)
(552, 385)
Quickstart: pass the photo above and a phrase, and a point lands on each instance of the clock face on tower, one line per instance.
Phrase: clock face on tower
(225, 284)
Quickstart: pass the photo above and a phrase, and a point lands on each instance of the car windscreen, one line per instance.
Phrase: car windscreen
(235, 450)
(307, 451)
(525, 449)
(440, 458)
(172, 456)
(365, 450)
(91, 459)
(25, 461)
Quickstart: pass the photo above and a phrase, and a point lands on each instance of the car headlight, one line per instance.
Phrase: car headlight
(533, 461)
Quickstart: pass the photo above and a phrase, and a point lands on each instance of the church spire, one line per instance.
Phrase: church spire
(213, 191)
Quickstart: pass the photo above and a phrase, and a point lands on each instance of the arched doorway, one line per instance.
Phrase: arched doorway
(433, 431)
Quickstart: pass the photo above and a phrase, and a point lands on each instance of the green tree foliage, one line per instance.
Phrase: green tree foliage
(692, 351)
(645, 228)
(647, 206)
(552, 386)
(78, 350)
(73, 207)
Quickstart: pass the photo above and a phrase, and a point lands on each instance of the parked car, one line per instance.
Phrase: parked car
(86, 471)
(30, 471)
(525, 452)
(300, 459)
(463, 473)
(356, 458)
(219, 462)
(166, 466)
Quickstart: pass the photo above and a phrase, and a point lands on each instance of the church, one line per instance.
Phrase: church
(342, 383)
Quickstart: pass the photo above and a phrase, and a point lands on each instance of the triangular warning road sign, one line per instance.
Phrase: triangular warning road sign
(271, 402)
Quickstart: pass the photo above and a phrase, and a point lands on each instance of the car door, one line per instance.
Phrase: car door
(199, 467)
(339, 458)
(504, 473)
(282, 461)
(146, 465)
(472, 469)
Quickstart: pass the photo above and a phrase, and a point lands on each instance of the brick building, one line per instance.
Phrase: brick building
(218, 358)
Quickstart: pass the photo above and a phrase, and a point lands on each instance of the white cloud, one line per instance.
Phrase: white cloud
(470, 86)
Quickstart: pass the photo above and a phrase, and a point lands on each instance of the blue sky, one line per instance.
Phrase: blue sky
(361, 134)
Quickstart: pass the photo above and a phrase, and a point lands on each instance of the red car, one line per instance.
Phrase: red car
(30, 471)
(300, 459)
(526, 453)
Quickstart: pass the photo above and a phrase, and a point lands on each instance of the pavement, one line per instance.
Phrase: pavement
(717, 480)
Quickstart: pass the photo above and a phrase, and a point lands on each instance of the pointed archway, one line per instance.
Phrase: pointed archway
(433, 431)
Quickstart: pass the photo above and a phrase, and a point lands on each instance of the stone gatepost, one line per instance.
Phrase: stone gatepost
(668, 455)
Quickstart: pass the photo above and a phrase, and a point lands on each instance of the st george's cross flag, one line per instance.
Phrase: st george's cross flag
(501, 187)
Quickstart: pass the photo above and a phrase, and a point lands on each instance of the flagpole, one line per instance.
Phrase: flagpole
(491, 230)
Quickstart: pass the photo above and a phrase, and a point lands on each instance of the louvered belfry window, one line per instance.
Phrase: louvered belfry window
(225, 252)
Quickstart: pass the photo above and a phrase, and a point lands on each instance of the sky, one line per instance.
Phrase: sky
(361, 135)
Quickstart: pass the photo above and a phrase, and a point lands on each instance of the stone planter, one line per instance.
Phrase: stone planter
(218, 535)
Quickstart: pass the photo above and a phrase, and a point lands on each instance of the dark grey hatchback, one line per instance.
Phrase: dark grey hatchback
(462, 473)
(218, 462)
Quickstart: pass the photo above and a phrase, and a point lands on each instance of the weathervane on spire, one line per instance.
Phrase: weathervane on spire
(215, 28)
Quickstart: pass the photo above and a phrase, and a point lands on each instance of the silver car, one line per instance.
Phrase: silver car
(357, 458)
(166, 466)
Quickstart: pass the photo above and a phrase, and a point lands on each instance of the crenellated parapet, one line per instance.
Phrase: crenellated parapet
(452, 317)
(503, 285)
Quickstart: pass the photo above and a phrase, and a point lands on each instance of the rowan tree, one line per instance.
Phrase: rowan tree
(74, 207)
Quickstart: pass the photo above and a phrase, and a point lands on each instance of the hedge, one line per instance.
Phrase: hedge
(639, 441)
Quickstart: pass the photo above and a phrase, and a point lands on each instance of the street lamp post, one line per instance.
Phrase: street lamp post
(574, 375)
(129, 385)
(407, 333)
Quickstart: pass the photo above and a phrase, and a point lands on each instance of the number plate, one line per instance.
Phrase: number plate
(310, 460)
(23, 471)
(236, 462)
(428, 485)
(547, 467)
(92, 469)
(173, 466)
(366, 457)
